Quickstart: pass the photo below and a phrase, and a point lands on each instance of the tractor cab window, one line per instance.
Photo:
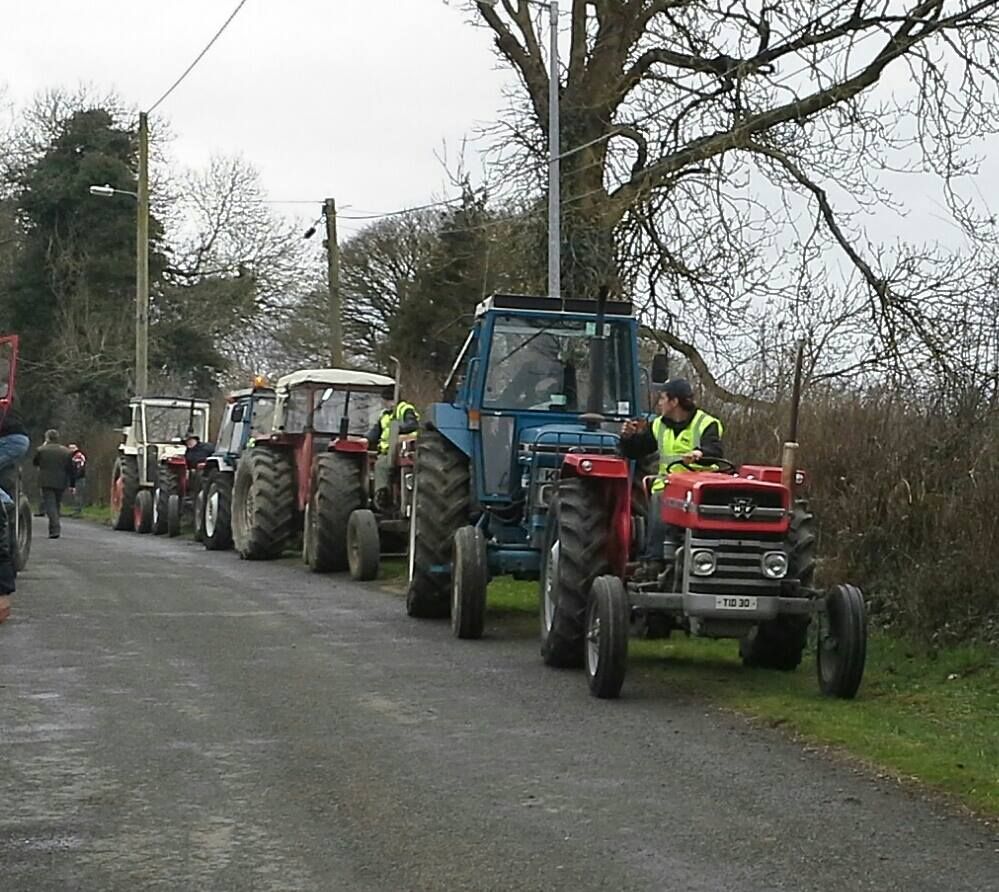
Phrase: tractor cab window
(167, 423)
(226, 428)
(362, 410)
(538, 363)
(263, 415)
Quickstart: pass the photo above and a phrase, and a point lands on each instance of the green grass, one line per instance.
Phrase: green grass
(931, 716)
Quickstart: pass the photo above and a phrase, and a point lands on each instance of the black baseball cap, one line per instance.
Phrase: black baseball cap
(678, 388)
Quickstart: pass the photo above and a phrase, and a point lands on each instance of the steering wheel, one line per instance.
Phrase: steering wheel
(727, 467)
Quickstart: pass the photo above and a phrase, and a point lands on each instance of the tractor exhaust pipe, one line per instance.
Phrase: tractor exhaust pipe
(789, 457)
(598, 363)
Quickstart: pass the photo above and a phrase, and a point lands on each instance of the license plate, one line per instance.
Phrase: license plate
(729, 602)
(547, 475)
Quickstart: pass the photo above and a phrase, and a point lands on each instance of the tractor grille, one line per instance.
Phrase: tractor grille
(738, 569)
(741, 504)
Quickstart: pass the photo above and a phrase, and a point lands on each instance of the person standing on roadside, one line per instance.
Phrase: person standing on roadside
(55, 472)
(78, 487)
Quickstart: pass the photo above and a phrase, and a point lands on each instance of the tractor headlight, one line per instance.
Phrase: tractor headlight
(703, 562)
(774, 564)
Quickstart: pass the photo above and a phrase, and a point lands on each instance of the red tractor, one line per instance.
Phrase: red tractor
(310, 472)
(739, 563)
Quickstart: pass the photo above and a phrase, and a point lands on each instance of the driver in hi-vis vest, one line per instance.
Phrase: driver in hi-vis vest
(681, 431)
(380, 434)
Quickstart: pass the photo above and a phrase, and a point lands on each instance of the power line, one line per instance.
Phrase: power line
(199, 57)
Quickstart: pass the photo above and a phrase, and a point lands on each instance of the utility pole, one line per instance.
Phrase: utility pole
(142, 263)
(333, 270)
(554, 150)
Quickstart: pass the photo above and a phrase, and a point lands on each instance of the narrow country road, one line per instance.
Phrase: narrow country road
(177, 719)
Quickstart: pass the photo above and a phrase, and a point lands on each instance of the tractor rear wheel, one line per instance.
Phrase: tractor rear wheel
(780, 642)
(842, 644)
(218, 513)
(363, 545)
(199, 514)
(124, 488)
(337, 491)
(142, 511)
(469, 578)
(574, 554)
(441, 500)
(22, 542)
(263, 503)
(607, 620)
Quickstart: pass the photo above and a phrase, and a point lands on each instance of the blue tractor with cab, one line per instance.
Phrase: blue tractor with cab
(247, 412)
(517, 470)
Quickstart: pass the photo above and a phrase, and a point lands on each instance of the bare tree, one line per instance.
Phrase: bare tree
(721, 150)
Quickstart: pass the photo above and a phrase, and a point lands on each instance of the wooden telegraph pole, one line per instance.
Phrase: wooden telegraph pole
(142, 263)
(333, 264)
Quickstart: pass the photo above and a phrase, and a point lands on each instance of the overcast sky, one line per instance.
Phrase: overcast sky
(345, 98)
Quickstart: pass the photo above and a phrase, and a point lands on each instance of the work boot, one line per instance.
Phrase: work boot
(649, 571)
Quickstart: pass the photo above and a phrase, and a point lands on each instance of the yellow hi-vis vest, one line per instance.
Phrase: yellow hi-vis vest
(390, 415)
(673, 446)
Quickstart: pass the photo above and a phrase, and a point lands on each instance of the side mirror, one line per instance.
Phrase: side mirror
(238, 413)
(660, 368)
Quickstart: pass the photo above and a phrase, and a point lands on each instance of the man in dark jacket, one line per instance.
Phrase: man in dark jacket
(55, 472)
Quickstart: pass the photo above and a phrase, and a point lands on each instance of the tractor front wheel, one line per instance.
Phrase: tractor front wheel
(842, 644)
(218, 513)
(363, 545)
(469, 578)
(142, 511)
(574, 554)
(441, 499)
(173, 515)
(199, 514)
(22, 543)
(607, 620)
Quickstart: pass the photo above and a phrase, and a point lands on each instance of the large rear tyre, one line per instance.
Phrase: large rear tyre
(263, 503)
(363, 545)
(607, 619)
(779, 643)
(22, 540)
(441, 498)
(842, 644)
(337, 491)
(124, 489)
(575, 553)
(218, 513)
(469, 579)
(142, 511)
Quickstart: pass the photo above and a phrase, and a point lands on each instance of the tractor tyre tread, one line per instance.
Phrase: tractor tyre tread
(442, 505)
(263, 504)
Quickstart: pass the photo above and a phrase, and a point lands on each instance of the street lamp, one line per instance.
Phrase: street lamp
(554, 150)
(141, 256)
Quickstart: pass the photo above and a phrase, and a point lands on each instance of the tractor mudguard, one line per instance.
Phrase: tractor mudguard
(611, 474)
(452, 423)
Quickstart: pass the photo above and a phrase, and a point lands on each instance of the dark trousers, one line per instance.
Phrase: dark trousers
(658, 532)
(52, 504)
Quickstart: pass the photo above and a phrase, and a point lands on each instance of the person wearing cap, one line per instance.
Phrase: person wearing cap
(196, 451)
(379, 438)
(681, 431)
